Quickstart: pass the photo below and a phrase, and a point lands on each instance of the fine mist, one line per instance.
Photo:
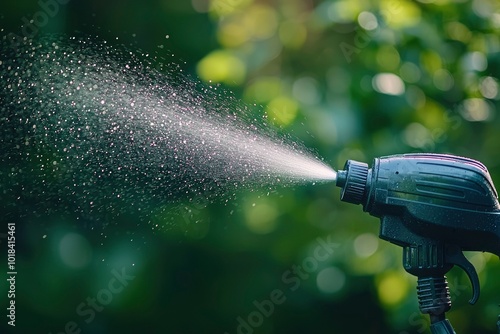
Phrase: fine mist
(89, 127)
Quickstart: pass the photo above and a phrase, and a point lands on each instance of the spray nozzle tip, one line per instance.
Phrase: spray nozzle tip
(353, 180)
(341, 178)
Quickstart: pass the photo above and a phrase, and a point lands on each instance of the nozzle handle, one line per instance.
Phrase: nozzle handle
(456, 256)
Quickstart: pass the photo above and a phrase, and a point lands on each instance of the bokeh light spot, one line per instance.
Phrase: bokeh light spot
(443, 80)
(261, 217)
(232, 35)
(330, 280)
(306, 90)
(388, 83)
(261, 21)
(410, 72)
(75, 251)
(476, 110)
(484, 8)
(458, 32)
(367, 21)
(400, 14)
(263, 89)
(224, 7)
(474, 61)
(282, 110)
(489, 87)
(222, 66)
(416, 135)
(392, 288)
(365, 245)
(431, 61)
(201, 6)
(343, 11)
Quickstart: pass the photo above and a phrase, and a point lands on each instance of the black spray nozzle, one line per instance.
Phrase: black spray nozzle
(434, 196)
(435, 206)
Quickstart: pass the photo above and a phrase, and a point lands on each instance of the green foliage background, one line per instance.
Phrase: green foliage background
(352, 80)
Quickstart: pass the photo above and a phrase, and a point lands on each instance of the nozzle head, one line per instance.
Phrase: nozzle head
(353, 180)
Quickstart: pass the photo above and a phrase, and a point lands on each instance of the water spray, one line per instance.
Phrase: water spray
(435, 206)
(99, 130)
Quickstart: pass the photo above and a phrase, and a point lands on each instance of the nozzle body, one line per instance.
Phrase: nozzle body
(435, 206)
